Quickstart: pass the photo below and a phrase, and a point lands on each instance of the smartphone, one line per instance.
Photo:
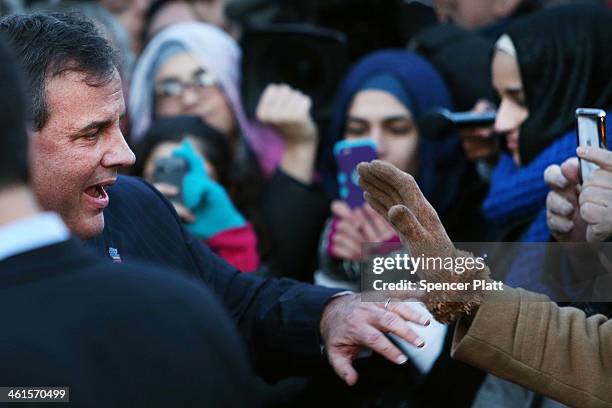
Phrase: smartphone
(591, 124)
(171, 170)
(348, 154)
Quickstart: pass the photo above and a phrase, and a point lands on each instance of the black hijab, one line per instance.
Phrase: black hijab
(565, 59)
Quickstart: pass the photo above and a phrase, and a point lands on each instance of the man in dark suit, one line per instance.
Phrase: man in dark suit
(117, 335)
(77, 149)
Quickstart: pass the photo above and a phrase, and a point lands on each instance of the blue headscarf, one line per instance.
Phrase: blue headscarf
(415, 83)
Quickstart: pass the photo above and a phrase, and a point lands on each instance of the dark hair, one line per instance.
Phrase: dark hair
(154, 8)
(48, 44)
(13, 135)
(214, 144)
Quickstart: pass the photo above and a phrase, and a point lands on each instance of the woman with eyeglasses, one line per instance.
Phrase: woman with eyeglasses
(194, 69)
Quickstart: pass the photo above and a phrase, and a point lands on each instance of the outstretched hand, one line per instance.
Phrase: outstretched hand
(349, 325)
(396, 195)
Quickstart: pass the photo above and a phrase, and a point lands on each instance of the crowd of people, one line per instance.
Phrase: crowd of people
(163, 244)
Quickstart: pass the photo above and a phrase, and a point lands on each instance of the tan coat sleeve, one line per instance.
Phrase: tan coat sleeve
(527, 339)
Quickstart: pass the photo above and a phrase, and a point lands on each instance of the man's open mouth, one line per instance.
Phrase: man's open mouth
(97, 194)
(96, 191)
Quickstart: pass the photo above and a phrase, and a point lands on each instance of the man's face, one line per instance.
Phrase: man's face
(75, 156)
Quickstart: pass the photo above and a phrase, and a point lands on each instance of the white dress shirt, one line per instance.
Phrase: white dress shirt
(35, 232)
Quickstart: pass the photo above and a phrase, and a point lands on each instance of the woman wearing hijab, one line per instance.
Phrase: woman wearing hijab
(544, 67)
(213, 63)
(382, 99)
(193, 69)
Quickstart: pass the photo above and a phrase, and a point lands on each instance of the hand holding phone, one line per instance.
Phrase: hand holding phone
(591, 124)
(595, 200)
(171, 171)
(204, 197)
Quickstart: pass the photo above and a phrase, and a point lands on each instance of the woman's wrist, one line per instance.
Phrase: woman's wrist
(299, 158)
(447, 306)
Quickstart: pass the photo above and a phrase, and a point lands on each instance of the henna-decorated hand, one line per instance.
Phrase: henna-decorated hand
(396, 195)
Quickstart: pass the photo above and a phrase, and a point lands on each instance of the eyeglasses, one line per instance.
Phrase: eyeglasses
(172, 87)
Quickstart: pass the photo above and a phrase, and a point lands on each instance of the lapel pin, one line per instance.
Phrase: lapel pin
(114, 254)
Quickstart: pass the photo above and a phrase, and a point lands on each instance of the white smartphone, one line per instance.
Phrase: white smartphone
(591, 125)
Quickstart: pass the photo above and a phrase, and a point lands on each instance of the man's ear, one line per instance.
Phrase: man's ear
(504, 8)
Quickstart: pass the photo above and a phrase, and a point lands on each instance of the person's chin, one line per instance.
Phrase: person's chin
(88, 226)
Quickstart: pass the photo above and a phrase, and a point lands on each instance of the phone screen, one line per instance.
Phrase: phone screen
(349, 153)
(171, 170)
(591, 125)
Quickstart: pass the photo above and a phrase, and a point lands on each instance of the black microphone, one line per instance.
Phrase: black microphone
(441, 123)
